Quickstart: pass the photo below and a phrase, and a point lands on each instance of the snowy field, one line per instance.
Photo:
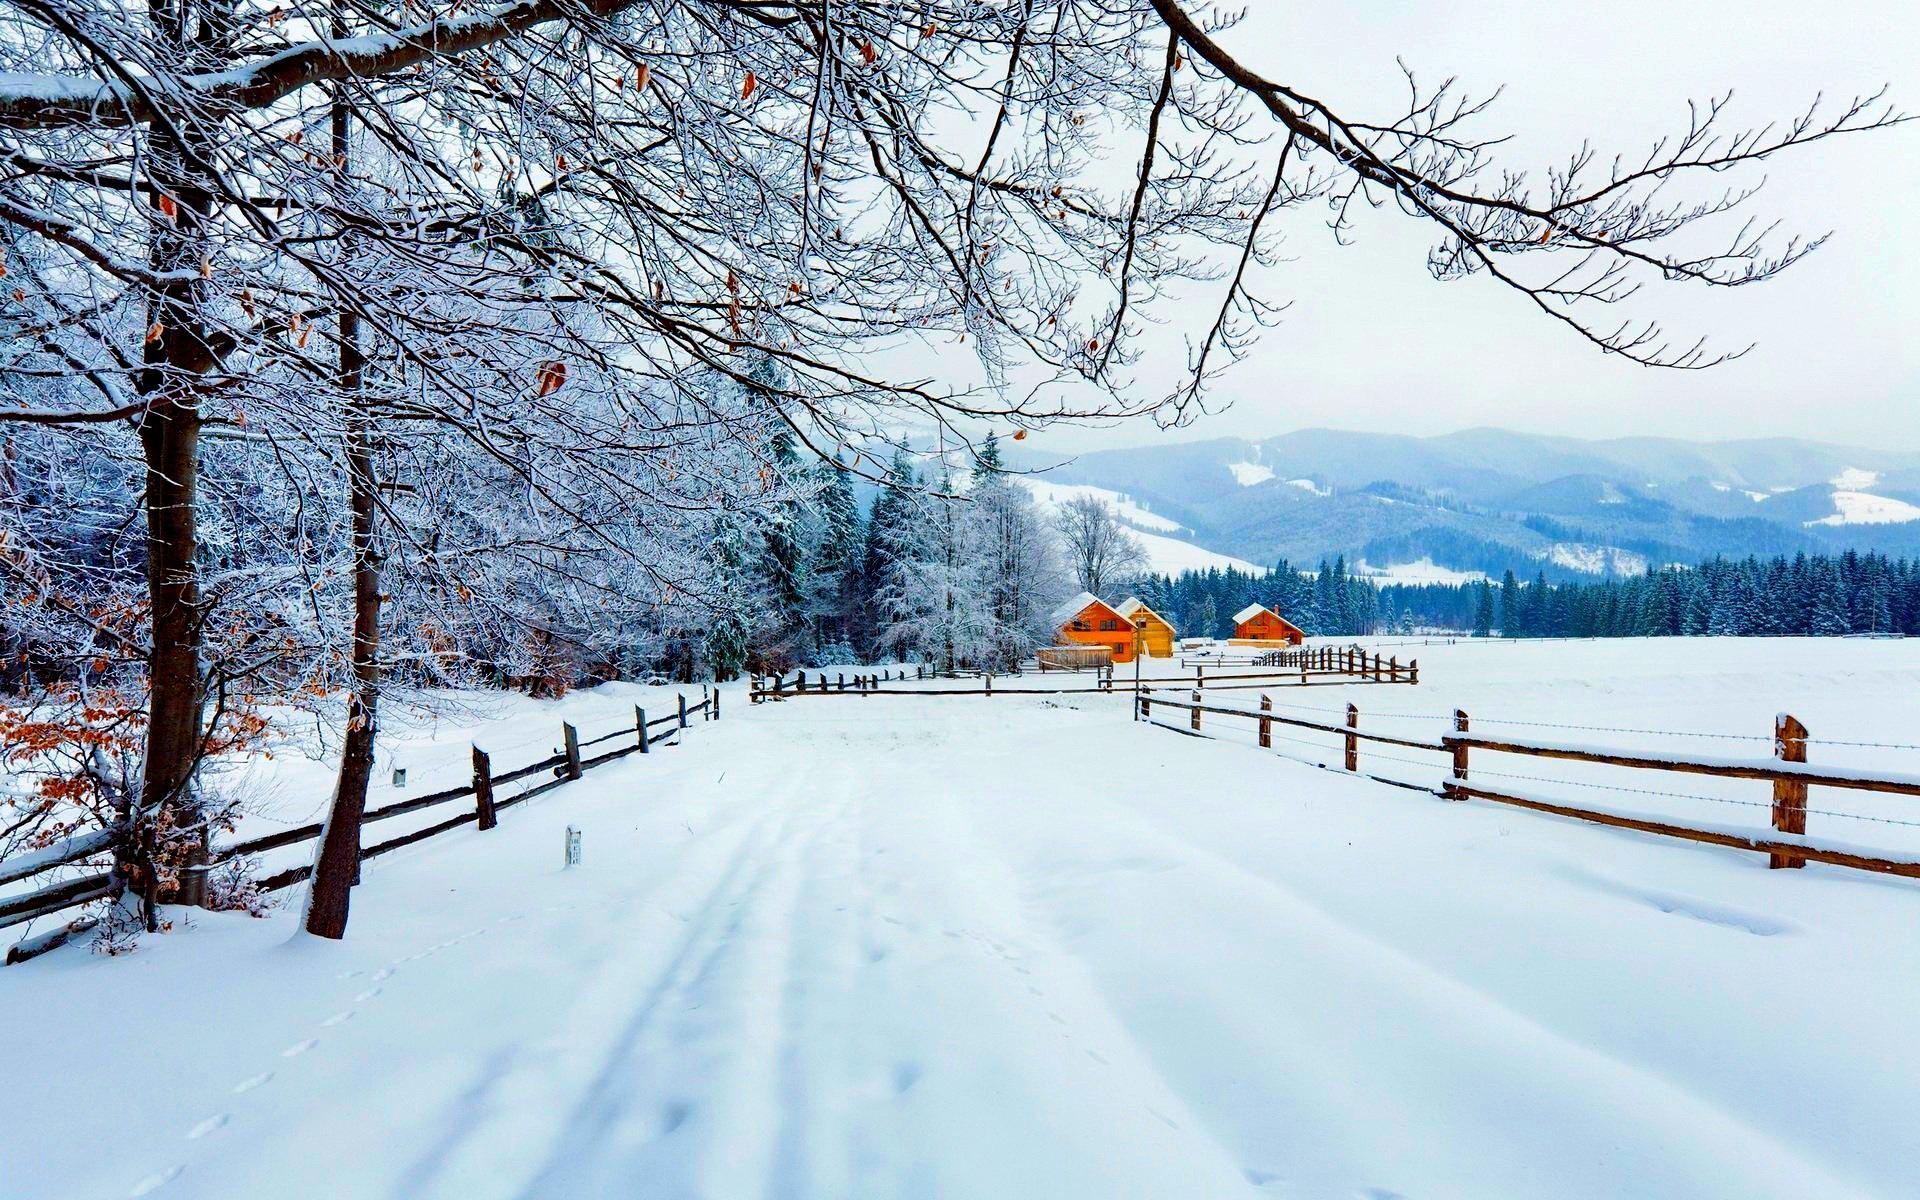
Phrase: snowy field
(1023, 947)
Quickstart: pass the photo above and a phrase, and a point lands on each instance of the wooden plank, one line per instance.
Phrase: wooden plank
(25, 907)
(1459, 749)
(483, 789)
(1723, 770)
(1838, 858)
(1789, 798)
(570, 741)
(1353, 739)
(60, 854)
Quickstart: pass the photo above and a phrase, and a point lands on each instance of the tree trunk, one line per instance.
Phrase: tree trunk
(338, 863)
(171, 381)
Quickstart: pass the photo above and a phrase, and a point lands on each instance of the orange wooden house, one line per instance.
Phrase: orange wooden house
(1258, 623)
(1087, 620)
(1156, 635)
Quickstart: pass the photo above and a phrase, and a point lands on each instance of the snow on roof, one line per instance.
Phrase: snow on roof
(1133, 606)
(1072, 608)
(1251, 611)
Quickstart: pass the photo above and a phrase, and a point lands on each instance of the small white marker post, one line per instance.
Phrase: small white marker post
(573, 846)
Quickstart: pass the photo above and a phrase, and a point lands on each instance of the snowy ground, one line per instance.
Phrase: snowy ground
(1009, 948)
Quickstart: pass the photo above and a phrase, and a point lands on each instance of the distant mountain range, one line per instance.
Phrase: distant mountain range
(1485, 500)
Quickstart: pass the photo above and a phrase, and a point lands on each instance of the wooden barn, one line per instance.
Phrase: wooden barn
(1258, 623)
(1087, 620)
(1156, 639)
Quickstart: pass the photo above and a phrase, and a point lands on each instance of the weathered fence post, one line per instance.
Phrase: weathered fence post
(1353, 743)
(843, 681)
(1789, 798)
(1266, 725)
(989, 685)
(483, 788)
(1459, 755)
(1196, 708)
(682, 698)
(714, 711)
(570, 738)
(640, 723)
(1393, 668)
(1413, 671)
(753, 689)
(1199, 677)
(1146, 706)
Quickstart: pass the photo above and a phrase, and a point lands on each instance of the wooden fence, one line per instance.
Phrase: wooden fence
(567, 764)
(1320, 667)
(1787, 770)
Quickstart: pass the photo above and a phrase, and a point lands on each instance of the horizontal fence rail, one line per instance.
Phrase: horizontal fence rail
(565, 764)
(1788, 772)
(1320, 667)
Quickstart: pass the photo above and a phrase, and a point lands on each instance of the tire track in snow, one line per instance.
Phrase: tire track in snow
(1337, 986)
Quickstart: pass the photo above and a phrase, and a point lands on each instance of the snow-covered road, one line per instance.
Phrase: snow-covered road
(893, 947)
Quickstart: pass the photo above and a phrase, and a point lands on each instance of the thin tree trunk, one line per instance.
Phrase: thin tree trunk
(339, 857)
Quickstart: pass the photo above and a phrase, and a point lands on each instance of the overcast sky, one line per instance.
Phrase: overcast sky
(1372, 342)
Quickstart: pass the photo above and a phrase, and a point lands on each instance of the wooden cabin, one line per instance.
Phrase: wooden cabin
(1258, 623)
(1157, 636)
(1087, 620)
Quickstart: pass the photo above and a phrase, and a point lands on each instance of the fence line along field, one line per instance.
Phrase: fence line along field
(1016, 944)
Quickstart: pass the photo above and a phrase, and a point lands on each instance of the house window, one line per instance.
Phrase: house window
(1109, 624)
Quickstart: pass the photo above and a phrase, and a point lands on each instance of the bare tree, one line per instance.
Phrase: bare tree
(1099, 549)
(551, 224)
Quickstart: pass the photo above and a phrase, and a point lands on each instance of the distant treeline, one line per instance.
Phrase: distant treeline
(1804, 596)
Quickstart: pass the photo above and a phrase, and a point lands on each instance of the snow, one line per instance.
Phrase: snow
(1596, 560)
(1864, 508)
(1170, 556)
(1855, 479)
(1249, 612)
(1422, 570)
(1165, 555)
(1053, 495)
(1248, 474)
(894, 947)
(1071, 607)
(1308, 485)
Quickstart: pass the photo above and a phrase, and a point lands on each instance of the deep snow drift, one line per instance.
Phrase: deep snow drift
(1009, 948)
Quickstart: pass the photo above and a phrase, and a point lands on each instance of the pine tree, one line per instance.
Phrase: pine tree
(1483, 610)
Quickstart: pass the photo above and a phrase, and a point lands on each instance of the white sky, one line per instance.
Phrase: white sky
(1372, 342)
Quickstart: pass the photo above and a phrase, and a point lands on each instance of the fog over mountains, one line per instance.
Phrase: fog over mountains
(1485, 500)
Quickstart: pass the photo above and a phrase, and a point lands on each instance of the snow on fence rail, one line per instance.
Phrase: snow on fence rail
(1320, 667)
(567, 765)
(1788, 771)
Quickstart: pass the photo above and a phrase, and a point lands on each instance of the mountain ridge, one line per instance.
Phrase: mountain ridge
(1490, 499)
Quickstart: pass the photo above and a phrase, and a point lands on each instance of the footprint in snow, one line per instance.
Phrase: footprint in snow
(213, 1123)
(337, 1019)
(157, 1180)
(369, 994)
(1259, 1178)
(905, 1075)
(673, 1116)
(383, 973)
(1100, 1058)
(299, 1048)
(247, 1085)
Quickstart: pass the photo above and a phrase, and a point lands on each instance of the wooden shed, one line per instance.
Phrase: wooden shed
(1157, 637)
(1258, 623)
(1087, 620)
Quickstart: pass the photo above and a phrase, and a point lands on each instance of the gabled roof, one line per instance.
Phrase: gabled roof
(1251, 611)
(1076, 605)
(1133, 605)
